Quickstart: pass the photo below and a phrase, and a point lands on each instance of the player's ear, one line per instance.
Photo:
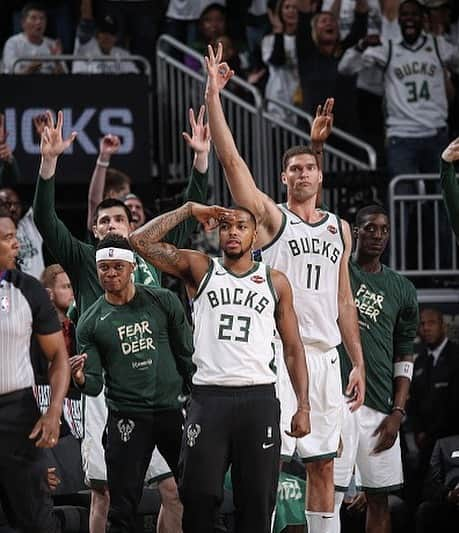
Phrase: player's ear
(321, 176)
(284, 178)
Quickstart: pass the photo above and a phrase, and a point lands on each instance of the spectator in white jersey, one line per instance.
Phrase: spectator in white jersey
(32, 42)
(26, 310)
(415, 91)
(237, 304)
(98, 38)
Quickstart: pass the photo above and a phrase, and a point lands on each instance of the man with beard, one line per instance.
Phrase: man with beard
(233, 416)
(312, 247)
(388, 315)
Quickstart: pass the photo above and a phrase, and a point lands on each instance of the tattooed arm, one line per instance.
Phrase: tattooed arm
(188, 265)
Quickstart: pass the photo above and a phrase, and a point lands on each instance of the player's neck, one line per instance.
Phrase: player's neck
(238, 266)
(122, 297)
(372, 265)
(306, 210)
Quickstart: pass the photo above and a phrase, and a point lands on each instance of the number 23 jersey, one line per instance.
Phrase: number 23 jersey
(310, 256)
(233, 327)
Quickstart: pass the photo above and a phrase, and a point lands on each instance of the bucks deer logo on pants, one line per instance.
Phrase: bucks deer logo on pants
(192, 432)
(125, 427)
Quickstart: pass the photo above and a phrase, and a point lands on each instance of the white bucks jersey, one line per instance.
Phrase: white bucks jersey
(415, 94)
(310, 256)
(233, 319)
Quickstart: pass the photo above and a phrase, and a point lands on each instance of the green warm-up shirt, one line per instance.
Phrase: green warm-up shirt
(78, 258)
(450, 191)
(388, 318)
(142, 350)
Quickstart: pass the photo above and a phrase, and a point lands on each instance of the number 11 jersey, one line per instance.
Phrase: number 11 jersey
(310, 256)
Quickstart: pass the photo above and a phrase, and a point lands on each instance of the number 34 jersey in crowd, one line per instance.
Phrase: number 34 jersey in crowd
(310, 256)
(233, 325)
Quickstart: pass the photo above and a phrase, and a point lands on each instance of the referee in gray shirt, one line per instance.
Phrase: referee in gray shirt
(26, 310)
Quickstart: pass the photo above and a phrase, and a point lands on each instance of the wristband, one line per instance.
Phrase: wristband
(403, 369)
(399, 409)
(100, 163)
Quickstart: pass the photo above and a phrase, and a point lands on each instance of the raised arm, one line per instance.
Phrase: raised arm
(108, 146)
(349, 326)
(63, 246)
(196, 190)
(188, 265)
(9, 170)
(239, 178)
(295, 359)
(449, 185)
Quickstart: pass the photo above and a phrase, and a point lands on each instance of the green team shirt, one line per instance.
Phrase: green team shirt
(388, 318)
(450, 191)
(78, 258)
(141, 350)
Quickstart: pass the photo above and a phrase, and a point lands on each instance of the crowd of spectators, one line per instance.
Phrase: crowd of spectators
(295, 51)
(298, 52)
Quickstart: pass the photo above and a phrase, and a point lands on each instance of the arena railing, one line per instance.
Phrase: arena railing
(422, 242)
(261, 136)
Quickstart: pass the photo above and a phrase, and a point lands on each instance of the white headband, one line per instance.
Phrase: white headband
(111, 254)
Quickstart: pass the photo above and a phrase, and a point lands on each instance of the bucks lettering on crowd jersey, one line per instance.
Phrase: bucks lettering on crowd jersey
(388, 318)
(138, 347)
(310, 256)
(415, 95)
(233, 318)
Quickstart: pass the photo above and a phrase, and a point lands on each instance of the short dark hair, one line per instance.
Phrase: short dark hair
(32, 6)
(113, 240)
(433, 310)
(5, 213)
(111, 202)
(297, 150)
(253, 218)
(373, 209)
(115, 180)
(422, 7)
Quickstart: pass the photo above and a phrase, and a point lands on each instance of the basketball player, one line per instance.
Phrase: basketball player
(312, 247)
(449, 185)
(78, 260)
(233, 417)
(388, 317)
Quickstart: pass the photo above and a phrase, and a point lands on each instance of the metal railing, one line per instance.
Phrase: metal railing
(261, 137)
(117, 60)
(422, 242)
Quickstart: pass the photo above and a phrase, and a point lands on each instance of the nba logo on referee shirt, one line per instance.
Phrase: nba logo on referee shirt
(4, 304)
(192, 433)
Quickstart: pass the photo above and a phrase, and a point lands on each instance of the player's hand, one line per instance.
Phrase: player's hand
(40, 122)
(77, 363)
(355, 390)
(218, 73)
(46, 430)
(386, 432)
(322, 124)
(52, 479)
(210, 216)
(109, 145)
(300, 425)
(358, 503)
(52, 144)
(451, 152)
(199, 141)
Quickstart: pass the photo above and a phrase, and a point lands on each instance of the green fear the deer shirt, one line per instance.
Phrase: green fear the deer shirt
(388, 317)
(141, 351)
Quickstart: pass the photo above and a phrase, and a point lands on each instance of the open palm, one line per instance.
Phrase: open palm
(52, 144)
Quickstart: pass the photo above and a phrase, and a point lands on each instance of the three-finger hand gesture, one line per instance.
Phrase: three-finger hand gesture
(218, 73)
(52, 144)
(199, 141)
(323, 122)
(451, 152)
